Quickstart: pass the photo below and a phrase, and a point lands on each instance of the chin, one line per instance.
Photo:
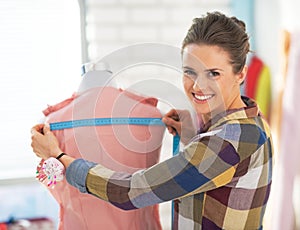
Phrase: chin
(202, 111)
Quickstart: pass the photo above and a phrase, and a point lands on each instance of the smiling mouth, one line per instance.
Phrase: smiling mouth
(202, 98)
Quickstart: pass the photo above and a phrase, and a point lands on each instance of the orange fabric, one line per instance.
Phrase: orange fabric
(119, 147)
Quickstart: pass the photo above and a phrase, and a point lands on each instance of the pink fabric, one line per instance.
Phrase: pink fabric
(58, 106)
(287, 164)
(119, 147)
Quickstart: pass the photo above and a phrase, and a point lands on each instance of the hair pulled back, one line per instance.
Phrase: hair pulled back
(228, 33)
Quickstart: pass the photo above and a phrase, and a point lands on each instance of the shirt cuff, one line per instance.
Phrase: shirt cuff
(77, 172)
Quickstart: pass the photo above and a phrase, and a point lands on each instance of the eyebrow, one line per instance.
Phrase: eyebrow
(206, 70)
(213, 69)
(187, 67)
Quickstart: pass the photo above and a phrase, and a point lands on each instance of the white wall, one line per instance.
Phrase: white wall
(271, 18)
(267, 33)
(112, 24)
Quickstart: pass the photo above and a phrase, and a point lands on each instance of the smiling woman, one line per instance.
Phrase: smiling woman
(222, 177)
(40, 47)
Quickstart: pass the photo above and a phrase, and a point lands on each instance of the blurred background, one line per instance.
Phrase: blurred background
(44, 43)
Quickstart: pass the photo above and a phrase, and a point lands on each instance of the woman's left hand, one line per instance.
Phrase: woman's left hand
(43, 142)
(180, 122)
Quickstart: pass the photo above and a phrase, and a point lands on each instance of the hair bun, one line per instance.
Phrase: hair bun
(239, 22)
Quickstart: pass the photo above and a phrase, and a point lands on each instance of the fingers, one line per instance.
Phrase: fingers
(36, 129)
(172, 122)
(177, 120)
(171, 130)
(43, 142)
(172, 114)
(36, 134)
(46, 128)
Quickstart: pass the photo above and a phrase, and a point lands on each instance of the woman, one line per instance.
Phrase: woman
(222, 178)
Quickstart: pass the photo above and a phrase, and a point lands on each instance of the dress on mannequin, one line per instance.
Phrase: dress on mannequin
(120, 147)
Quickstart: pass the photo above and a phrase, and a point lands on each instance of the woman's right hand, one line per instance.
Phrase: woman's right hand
(43, 142)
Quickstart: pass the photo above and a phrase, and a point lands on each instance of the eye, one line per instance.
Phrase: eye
(213, 74)
(190, 73)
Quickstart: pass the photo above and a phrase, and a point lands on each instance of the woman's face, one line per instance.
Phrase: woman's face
(209, 81)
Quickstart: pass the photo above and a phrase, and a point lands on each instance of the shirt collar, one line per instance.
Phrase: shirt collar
(251, 110)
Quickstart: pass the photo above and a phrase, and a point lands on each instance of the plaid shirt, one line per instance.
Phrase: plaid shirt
(221, 180)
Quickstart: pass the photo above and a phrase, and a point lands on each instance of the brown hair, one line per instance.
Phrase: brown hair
(228, 33)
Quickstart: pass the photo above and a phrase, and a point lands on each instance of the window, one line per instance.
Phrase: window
(40, 52)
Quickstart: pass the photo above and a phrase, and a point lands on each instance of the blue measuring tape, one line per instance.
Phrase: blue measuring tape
(106, 121)
(114, 121)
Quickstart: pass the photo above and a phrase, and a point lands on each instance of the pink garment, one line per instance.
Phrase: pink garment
(119, 147)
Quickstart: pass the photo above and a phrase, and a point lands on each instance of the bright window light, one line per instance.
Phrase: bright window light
(40, 64)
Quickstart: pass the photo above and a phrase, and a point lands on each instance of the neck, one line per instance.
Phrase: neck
(237, 103)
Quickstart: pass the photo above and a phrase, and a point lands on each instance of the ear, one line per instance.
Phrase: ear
(242, 75)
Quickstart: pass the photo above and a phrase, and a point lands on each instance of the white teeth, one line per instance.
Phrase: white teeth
(203, 98)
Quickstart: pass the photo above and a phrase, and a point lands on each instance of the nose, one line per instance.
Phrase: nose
(200, 82)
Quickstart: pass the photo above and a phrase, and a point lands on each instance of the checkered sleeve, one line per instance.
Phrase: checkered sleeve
(202, 166)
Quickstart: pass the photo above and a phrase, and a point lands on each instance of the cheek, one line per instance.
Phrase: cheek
(226, 84)
(187, 84)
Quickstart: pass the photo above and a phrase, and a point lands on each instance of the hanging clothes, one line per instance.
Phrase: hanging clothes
(126, 148)
(258, 85)
(287, 167)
